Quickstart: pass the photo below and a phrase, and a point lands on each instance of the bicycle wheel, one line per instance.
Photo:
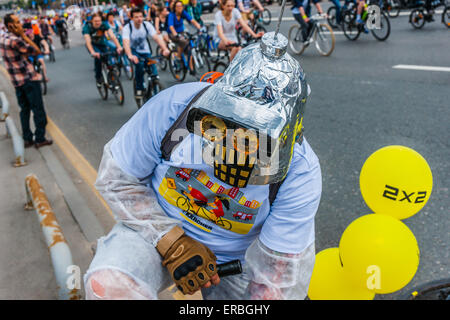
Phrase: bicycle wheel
(296, 39)
(385, 28)
(446, 17)
(176, 66)
(331, 17)
(103, 89)
(417, 18)
(259, 28)
(393, 8)
(127, 67)
(116, 86)
(202, 66)
(266, 16)
(183, 204)
(153, 89)
(324, 39)
(220, 67)
(139, 101)
(351, 29)
(224, 223)
(163, 60)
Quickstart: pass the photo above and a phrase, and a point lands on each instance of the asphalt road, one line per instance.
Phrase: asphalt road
(359, 104)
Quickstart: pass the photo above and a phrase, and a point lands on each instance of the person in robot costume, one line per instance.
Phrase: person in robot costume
(207, 173)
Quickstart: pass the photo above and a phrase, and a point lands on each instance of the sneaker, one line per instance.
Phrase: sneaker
(99, 83)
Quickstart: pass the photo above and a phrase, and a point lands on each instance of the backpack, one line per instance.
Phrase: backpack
(167, 145)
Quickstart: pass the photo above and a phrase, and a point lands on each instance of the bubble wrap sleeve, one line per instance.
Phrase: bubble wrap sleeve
(278, 276)
(131, 200)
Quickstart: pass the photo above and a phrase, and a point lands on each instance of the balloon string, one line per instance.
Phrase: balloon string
(279, 19)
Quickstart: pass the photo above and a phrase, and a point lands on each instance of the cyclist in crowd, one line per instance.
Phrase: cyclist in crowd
(95, 34)
(195, 11)
(149, 11)
(137, 4)
(61, 29)
(137, 47)
(246, 9)
(46, 30)
(171, 5)
(301, 10)
(115, 26)
(225, 22)
(124, 15)
(161, 23)
(338, 6)
(359, 10)
(35, 35)
(176, 27)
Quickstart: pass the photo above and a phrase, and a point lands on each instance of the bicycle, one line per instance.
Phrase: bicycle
(179, 67)
(221, 66)
(110, 75)
(265, 17)
(152, 85)
(51, 55)
(205, 41)
(71, 22)
(392, 7)
(352, 29)
(244, 37)
(332, 16)
(64, 37)
(320, 33)
(184, 204)
(418, 16)
(125, 64)
(433, 290)
(164, 60)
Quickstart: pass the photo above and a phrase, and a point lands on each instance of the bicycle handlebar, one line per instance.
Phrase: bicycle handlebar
(229, 268)
(318, 16)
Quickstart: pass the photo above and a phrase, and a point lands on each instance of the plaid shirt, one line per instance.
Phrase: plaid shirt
(15, 52)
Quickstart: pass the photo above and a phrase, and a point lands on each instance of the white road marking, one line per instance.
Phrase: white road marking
(421, 68)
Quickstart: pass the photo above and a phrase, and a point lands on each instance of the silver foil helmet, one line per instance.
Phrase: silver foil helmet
(252, 117)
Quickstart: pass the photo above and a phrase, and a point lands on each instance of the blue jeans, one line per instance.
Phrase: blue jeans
(338, 11)
(139, 69)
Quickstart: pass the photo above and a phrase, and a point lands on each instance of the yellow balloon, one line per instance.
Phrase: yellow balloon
(379, 253)
(396, 181)
(329, 283)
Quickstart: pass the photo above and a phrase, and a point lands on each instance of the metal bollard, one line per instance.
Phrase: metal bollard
(57, 245)
(5, 106)
(18, 144)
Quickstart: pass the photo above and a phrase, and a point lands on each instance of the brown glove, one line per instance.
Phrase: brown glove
(190, 263)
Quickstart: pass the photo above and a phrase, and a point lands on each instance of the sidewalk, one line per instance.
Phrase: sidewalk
(26, 271)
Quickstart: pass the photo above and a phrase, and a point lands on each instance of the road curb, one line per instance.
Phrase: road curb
(83, 215)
